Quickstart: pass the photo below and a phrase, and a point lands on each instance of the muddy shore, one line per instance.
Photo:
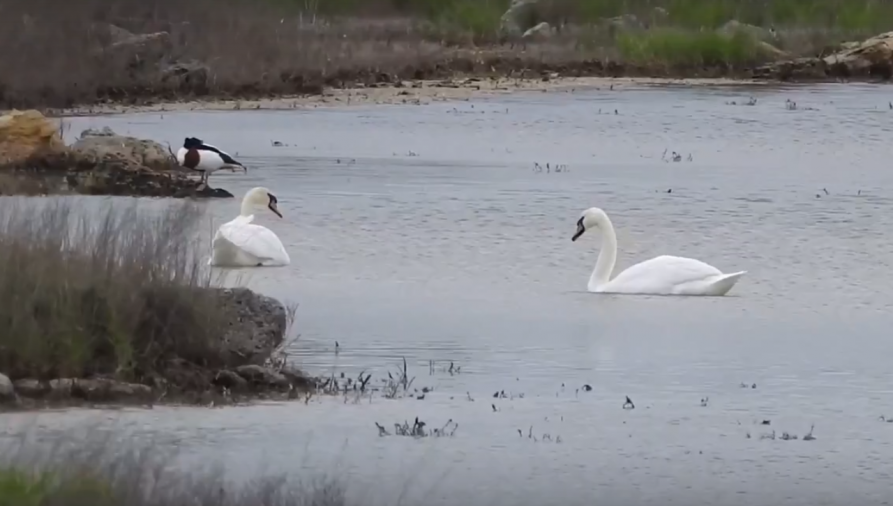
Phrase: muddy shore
(406, 92)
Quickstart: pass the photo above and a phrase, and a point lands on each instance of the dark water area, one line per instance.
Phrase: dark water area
(426, 232)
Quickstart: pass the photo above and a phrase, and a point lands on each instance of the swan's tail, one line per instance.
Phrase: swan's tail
(720, 285)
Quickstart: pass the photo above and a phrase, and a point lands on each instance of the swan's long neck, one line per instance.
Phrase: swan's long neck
(247, 208)
(606, 257)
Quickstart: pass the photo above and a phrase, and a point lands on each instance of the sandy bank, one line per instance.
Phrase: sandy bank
(407, 92)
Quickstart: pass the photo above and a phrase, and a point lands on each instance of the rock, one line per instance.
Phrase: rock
(100, 162)
(206, 192)
(764, 38)
(297, 378)
(230, 379)
(262, 375)
(185, 73)
(870, 58)
(768, 50)
(61, 388)
(106, 389)
(7, 391)
(105, 145)
(757, 33)
(622, 23)
(135, 50)
(541, 31)
(256, 327)
(25, 134)
(31, 388)
(520, 16)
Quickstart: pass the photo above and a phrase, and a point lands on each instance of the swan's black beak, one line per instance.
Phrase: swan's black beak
(273, 205)
(580, 230)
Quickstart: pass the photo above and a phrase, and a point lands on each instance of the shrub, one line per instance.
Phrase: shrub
(675, 47)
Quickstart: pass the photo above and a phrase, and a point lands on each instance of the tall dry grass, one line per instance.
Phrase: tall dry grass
(53, 52)
(95, 469)
(118, 291)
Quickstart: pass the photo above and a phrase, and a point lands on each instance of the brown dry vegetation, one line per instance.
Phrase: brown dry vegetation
(53, 58)
(119, 293)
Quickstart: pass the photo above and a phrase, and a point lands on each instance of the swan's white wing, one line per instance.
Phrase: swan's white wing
(663, 274)
(255, 240)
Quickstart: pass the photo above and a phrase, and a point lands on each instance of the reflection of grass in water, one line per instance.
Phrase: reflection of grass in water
(679, 47)
(96, 471)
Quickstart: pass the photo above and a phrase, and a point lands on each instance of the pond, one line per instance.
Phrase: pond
(427, 232)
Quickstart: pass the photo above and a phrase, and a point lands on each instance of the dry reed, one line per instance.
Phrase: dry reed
(118, 292)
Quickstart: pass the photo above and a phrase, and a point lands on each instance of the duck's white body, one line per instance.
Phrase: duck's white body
(240, 243)
(208, 161)
(663, 275)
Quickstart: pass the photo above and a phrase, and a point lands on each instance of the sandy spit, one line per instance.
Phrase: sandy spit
(407, 92)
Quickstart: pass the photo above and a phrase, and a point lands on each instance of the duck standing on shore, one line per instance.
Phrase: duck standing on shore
(205, 158)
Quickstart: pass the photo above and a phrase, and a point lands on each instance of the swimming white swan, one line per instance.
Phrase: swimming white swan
(239, 243)
(663, 275)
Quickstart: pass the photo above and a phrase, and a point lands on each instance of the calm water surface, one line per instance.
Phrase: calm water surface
(424, 232)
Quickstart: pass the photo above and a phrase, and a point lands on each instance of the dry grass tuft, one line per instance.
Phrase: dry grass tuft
(119, 292)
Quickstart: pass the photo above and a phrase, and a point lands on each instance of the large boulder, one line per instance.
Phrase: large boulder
(99, 145)
(520, 17)
(100, 162)
(757, 33)
(764, 39)
(257, 326)
(133, 49)
(24, 134)
(7, 391)
(872, 57)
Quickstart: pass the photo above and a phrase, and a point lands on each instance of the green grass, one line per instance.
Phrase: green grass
(674, 47)
(482, 16)
(846, 14)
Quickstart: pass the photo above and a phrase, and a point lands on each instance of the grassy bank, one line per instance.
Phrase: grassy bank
(65, 54)
(111, 470)
(484, 15)
(116, 293)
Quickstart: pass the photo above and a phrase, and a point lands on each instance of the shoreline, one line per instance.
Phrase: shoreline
(410, 92)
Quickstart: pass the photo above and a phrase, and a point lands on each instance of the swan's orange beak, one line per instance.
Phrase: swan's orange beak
(580, 230)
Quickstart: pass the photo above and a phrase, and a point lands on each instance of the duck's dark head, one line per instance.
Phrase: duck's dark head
(192, 142)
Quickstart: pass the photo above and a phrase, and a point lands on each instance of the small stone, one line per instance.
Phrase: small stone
(61, 387)
(261, 375)
(230, 379)
(30, 387)
(7, 391)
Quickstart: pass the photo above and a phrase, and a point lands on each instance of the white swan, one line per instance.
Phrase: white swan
(663, 275)
(239, 243)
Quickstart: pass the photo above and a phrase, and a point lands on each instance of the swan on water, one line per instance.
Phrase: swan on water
(205, 158)
(663, 275)
(240, 243)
